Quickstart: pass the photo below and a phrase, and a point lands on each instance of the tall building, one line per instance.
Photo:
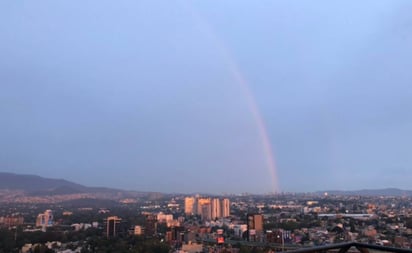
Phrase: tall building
(45, 219)
(225, 206)
(175, 234)
(206, 212)
(207, 208)
(255, 227)
(216, 210)
(150, 226)
(112, 226)
(190, 206)
(201, 202)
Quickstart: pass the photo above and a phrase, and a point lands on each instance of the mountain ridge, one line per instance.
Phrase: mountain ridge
(34, 185)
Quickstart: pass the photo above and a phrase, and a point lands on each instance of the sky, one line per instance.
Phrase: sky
(208, 96)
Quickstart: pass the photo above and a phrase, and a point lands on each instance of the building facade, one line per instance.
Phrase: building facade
(45, 219)
(216, 210)
(225, 206)
(112, 226)
(190, 207)
(255, 227)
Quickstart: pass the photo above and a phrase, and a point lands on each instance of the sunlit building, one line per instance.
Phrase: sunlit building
(112, 226)
(45, 219)
(255, 227)
(200, 203)
(207, 208)
(225, 206)
(164, 218)
(204, 208)
(190, 207)
(206, 212)
(216, 210)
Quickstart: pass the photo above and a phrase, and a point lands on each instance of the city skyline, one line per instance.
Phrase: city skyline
(208, 96)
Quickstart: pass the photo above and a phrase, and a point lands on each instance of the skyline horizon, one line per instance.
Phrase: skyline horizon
(316, 192)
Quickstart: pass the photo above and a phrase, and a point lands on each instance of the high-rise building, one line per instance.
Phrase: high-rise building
(200, 203)
(207, 208)
(112, 226)
(255, 226)
(150, 225)
(205, 212)
(175, 234)
(190, 205)
(45, 219)
(225, 206)
(216, 210)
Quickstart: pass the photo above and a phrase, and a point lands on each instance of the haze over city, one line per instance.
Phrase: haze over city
(213, 96)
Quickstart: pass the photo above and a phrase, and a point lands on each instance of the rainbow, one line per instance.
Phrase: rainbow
(244, 86)
(261, 126)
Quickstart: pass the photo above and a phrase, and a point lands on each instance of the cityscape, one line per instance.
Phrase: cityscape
(161, 222)
(184, 126)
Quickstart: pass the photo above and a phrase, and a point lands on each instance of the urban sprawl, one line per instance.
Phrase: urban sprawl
(199, 223)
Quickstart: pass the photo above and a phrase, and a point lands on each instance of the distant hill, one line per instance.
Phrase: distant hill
(372, 192)
(39, 185)
(36, 186)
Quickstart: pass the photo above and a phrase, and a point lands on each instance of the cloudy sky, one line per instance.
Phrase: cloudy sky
(200, 96)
